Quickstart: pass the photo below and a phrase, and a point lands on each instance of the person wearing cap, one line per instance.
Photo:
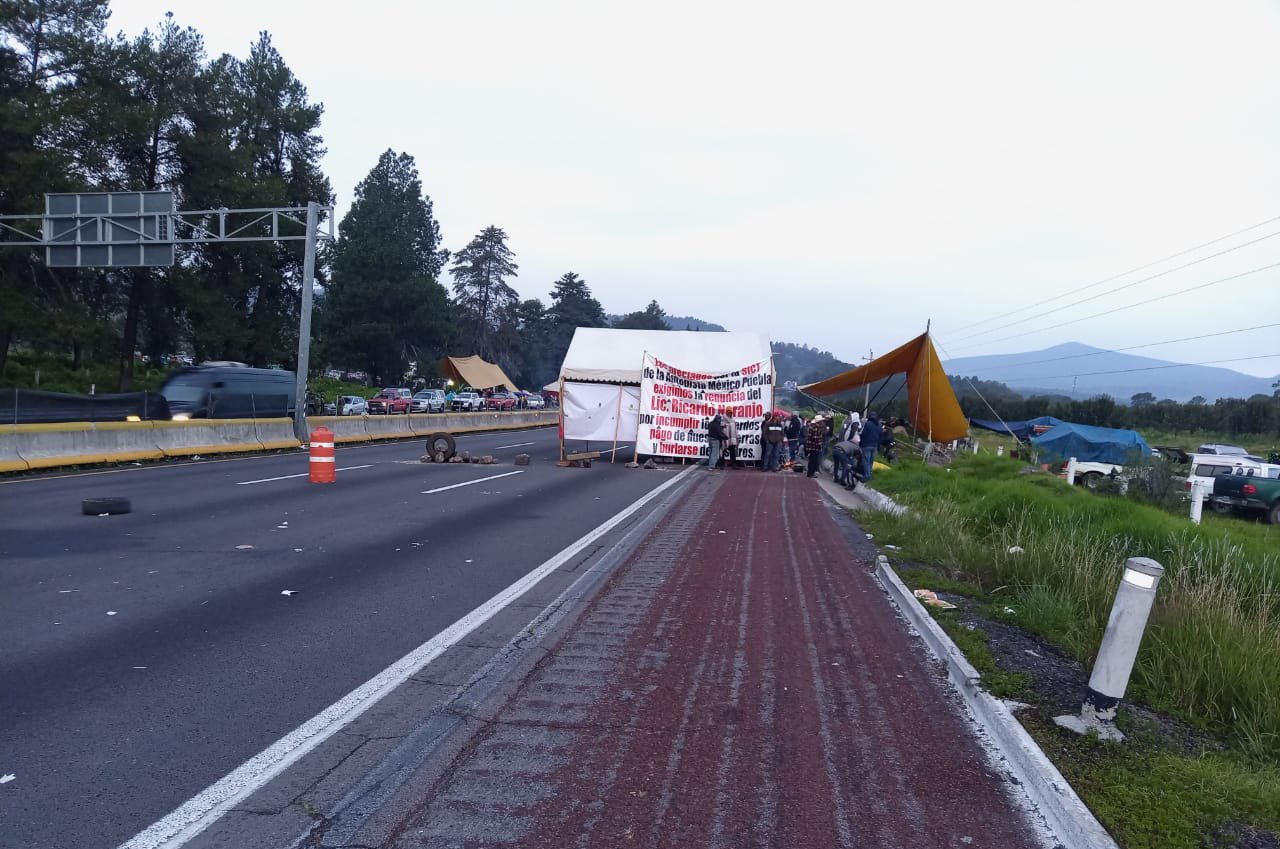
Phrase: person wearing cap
(870, 442)
(815, 438)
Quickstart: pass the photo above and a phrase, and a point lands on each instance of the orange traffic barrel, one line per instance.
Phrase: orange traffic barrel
(322, 460)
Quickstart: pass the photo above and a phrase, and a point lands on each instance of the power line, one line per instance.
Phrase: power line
(1120, 288)
(1121, 274)
(1131, 347)
(1126, 307)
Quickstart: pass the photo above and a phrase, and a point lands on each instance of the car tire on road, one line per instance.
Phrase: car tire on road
(109, 506)
(442, 443)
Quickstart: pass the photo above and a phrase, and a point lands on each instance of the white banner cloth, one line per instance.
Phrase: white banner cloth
(676, 403)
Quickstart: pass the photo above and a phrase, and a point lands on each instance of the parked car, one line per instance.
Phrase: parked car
(1250, 490)
(468, 401)
(391, 400)
(534, 401)
(1207, 468)
(1227, 451)
(428, 401)
(351, 405)
(500, 401)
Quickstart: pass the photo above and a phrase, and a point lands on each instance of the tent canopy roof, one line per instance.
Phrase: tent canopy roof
(932, 405)
(473, 371)
(609, 355)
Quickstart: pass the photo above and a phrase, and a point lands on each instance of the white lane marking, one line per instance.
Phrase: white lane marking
(304, 474)
(469, 483)
(619, 448)
(517, 445)
(207, 806)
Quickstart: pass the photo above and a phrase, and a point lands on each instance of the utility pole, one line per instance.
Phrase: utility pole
(304, 326)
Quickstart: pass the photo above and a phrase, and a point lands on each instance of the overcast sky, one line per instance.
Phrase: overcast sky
(828, 173)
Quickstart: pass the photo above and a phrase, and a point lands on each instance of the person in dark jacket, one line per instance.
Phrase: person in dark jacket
(774, 436)
(717, 434)
(815, 439)
(870, 442)
(794, 432)
(848, 463)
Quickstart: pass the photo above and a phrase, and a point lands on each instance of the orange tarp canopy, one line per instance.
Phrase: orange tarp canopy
(931, 403)
(475, 372)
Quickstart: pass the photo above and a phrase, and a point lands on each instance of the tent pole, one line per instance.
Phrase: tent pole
(928, 353)
(561, 418)
(617, 421)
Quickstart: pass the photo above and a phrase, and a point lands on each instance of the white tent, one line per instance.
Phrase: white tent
(599, 381)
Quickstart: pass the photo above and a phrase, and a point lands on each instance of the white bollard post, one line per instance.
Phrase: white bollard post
(999, 450)
(1198, 492)
(1119, 649)
(1071, 471)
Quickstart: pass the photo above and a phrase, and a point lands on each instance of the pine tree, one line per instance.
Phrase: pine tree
(651, 317)
(384, 305)
(572, 306)
(481, 292)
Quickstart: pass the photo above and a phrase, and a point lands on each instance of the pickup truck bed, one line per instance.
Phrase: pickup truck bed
(1250, 492)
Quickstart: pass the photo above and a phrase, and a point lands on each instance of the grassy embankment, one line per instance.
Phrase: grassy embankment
(1211, 656)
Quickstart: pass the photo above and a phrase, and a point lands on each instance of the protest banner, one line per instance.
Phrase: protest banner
(675, 404)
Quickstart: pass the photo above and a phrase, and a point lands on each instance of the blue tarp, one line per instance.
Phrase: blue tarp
(1090, 444)
(1022, 431)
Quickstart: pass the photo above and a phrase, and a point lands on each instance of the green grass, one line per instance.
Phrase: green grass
(1152, 797)
(57, 375)
(1212, 651)
(1211, 655)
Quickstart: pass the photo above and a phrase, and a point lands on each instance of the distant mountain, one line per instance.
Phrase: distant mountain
(688, 322)
(680, 322)
(1073, 369)
(804, 364)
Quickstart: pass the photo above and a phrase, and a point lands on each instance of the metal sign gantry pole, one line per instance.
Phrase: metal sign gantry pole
(141, 229)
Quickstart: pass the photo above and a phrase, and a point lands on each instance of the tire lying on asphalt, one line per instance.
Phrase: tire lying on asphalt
(442, 443)
(110, 506)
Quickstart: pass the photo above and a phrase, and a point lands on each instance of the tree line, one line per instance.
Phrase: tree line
(1258, 415)
(82, 109)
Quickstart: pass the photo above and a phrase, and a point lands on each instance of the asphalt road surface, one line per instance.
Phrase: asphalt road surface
(144, 656)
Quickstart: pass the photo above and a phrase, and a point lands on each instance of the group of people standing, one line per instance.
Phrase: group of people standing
(787, 439)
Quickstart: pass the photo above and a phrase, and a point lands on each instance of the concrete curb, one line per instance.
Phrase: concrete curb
(46, 446)
(1066, 815)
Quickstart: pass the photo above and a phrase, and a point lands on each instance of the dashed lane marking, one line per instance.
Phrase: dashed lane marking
(469, 483)
(517, 445)
(302, 475)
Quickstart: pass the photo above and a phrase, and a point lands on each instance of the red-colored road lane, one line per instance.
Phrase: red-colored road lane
(742, 681)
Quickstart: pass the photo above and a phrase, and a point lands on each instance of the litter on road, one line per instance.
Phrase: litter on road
(287, 592)
(7, 777)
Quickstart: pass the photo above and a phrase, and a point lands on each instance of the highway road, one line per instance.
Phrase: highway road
(144, 656)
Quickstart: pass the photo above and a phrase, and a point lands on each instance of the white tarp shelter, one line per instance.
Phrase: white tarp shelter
(599, 381)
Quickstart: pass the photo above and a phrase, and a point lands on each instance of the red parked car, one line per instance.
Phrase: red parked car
(500, 401)
(391, 401)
